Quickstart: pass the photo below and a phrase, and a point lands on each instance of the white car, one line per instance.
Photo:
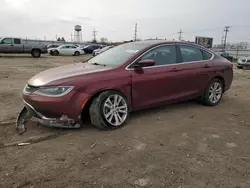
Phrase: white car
(66, 50)
(98, 51)
(243, 62)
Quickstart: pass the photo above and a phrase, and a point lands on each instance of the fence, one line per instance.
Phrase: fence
(47, 42)
(236, 53)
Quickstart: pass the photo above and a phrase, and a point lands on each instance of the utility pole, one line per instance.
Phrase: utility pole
(180, 34)
(222, 41)
(225, 40)
(94, 35)
(71, 37)
(135, 35)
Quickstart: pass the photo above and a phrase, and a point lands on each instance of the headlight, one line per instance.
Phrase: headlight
(56, 91)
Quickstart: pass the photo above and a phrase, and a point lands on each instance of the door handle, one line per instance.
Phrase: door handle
(206, 66)
(174, 70)
(11, 45)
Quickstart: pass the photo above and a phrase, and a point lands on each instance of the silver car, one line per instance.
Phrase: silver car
(243, 62)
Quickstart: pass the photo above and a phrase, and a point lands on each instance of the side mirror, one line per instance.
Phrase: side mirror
(145, 63)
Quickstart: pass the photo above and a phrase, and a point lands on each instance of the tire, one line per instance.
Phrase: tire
(212, 97)
(76, 53)
(36, 53)
(239, 67)
(56, 53)
(105, 115)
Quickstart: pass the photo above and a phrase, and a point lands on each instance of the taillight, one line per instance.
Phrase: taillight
(232, 65)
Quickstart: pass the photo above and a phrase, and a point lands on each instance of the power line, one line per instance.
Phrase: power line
(94, 34)
(135, 35)
(180, 34)
(225, 39)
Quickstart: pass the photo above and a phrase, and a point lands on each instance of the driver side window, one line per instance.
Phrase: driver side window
(7, 41)
(163, 55)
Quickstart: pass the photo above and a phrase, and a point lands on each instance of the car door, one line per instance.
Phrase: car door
(17, 46)
(193, 71)
(72, 50)
(64, 50)
(156, 84)
(6, 45)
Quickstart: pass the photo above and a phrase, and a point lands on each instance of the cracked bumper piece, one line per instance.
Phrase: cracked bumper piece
(62, 122)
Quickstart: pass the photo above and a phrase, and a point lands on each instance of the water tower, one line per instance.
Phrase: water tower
(78, 34)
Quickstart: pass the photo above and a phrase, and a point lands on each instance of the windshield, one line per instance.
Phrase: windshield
(118, 55)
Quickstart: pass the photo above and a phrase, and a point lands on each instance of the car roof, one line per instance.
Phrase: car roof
(151, 43)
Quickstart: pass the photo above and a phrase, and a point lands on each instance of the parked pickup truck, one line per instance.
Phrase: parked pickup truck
(16, 45)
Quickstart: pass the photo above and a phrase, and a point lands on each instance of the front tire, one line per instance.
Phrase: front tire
(109, 110)
(213, 93)
(239, 67)
(56, 53)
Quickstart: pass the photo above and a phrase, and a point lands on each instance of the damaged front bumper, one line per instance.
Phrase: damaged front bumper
(61, 122)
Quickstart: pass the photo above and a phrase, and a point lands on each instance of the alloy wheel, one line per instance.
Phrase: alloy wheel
(115, 110)
(215, 92)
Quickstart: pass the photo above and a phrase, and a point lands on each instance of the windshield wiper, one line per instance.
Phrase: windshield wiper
(103, 65)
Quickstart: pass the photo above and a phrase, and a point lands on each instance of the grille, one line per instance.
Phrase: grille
(248, 60)
(30, 89)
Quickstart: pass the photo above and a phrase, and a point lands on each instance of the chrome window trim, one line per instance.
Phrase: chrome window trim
(127, 67)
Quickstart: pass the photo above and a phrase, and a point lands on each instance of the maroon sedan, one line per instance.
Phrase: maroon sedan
(126, 78)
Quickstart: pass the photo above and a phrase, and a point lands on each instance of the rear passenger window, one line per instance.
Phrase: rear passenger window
(206, 55)
(17, 41)
(189, 54)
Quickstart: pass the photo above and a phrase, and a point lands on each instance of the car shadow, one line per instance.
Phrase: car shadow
(147, 112)
(161, 108)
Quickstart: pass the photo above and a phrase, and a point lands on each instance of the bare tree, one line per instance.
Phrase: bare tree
(62, 39)
(103, 40)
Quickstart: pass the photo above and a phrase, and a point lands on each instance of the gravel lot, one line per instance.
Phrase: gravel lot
(184, 145)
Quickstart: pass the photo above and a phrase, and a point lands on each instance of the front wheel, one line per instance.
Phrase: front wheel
(56, 53)
(213, 93)
(109, 110)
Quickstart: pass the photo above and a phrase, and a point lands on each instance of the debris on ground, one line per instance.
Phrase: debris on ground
(24, 144)
(93, 145)
(142, 182)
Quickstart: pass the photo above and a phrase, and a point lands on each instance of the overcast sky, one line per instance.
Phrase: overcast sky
(115, 19)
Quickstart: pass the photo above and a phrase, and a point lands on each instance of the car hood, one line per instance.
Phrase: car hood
(62, 72)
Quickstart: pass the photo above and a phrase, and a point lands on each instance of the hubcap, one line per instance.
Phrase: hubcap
(115, 110)
(215, 92)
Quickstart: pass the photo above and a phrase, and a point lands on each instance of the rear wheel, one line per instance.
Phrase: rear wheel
(36, 53)
(77, 53)
(213, 93)
(109, 110)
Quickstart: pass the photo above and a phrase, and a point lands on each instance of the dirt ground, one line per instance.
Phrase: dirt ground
(184, 145)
